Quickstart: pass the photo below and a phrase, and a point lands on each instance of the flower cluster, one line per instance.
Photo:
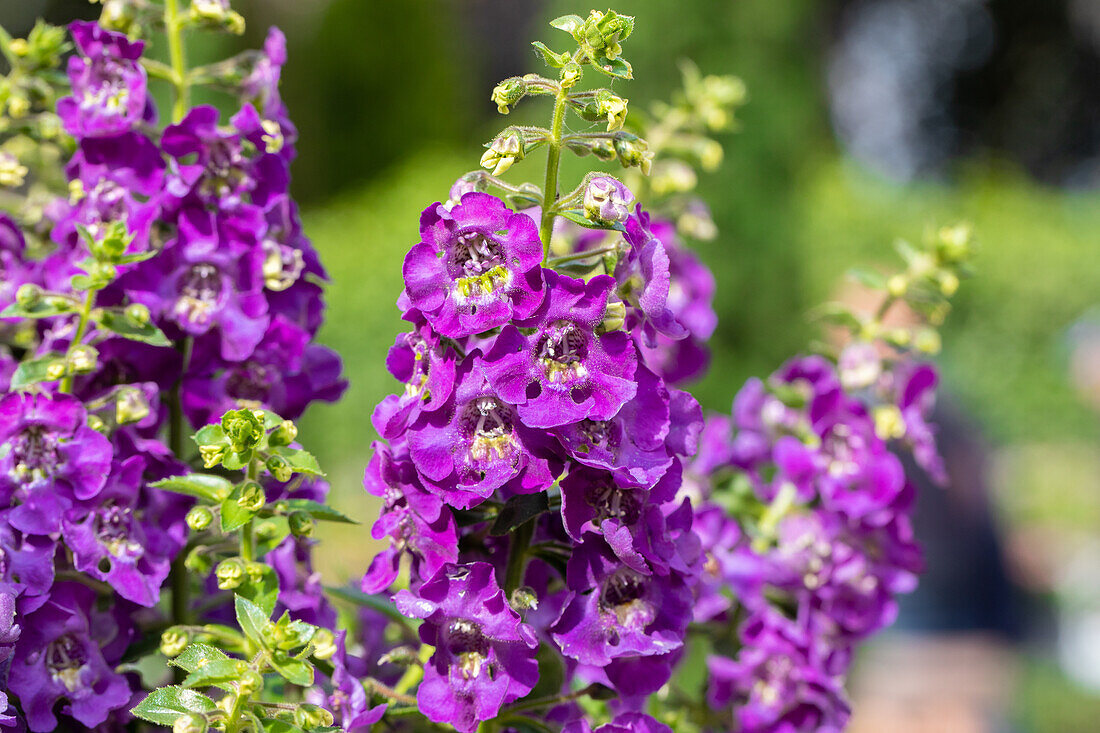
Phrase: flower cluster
(169, 283)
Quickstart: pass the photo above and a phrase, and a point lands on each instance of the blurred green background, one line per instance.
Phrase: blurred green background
(868, 120)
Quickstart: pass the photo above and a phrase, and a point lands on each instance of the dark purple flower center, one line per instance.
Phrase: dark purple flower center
(35, 454)
(107, 93)
(422, 365)
(202, 292)
(844, 449)
(282, 266)
(487, 424)
(66, 658)
(613, 502)
(251, 381)
(225, 167)
(105, 203)
(562, 349)
(113, 526)
(465, 640)
(624, 594)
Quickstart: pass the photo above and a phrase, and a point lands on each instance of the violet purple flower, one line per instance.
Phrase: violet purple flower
(108, 83)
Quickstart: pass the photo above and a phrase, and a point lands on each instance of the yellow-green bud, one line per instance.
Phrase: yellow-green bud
(104, 272)
(301, 524)
(211, 455)
(312, 716)
(250, 683)
(199, 517)
(190, 723)
(95, 422)
(634, 151)
(507, 93)
(570, 74)
(131, 406)
(198, 561)
(278, 467)
(285, 434)
(138, 314)
(12, 174)
(252, 497)
(927, 341)
(889, 423)
(173, 641)
(82, 359)
(954, 243)
(611, 108)
(243, 428)
(897, 285)
(524, 599)
(230, 573)
(949, 283)
(19, 46)
(505, 150)
(324, 644)
(28, 295)
(614, 316)
(255, 571)
(56, 370)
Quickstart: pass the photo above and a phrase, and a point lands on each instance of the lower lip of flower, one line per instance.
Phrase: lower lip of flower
(66, 660)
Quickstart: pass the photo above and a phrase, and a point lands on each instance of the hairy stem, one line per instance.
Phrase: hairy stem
(81, 329)
(553, 161)
(174, 30)
(517, 556)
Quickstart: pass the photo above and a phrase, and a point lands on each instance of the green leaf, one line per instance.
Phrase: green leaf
(234, 516)
(200, 485)
(211, 435)
(216, 674)
(578, 218)
(47, 307)
(279, 726)
(34, 371)
(870, 278)
(519, 510)
(551, 673)
(117, 323)
(137, 257)
(567, 23)
(295, 671)
(837, 314)
(301, 461)
(552, 59)
(262, 591)
(165, 705)
(270, 533)
(619, 68)
(252, 620)
(315, 509)
(198, 655)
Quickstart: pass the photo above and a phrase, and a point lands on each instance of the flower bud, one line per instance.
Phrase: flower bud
(524, 599)
(131, 406)
(308, 717)
(402, 656)
(673, 176)
(217, 12)
(324, 644)
(255, 571)
(606, 200)
(927, 341)
(111, 245)
(954, 244)
(103, 273)
(505, 150)
(243, 429)
(285, 434)
(897, 285)
(12, 174)
(199, 517)
(173, 641)
(95, 422)
(634, 151)
(190, 723)
(252, 497)
(56, 370)
(83, 359)
(278, 467)
(949, 283)
(301, 524)
(198, 561)
(508, 93)
(859, 366)
(570, 74)
(614, 316)
(230, 573)
(28, 295)
(250, 683)
(611, 108)
(138, 314)
(211, 455)
(889, 423)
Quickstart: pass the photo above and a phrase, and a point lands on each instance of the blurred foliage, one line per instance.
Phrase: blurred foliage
(1049, 703)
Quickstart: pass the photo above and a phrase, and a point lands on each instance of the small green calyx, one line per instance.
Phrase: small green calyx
(506, 149)
(278, 467)
(199, 517)
(309, 717)
(612, 108)
(508, 93)
(285, 434)
(190, 723)
(230, 573)
(243, 429)
(138, 314)
(252, 497)
(250, 683)
(131, 406)
(173, 641)
(324, 644)
(211, 455)
(28, 296)
(301, 524)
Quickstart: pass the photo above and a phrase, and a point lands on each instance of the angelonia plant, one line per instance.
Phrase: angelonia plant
(571, 545)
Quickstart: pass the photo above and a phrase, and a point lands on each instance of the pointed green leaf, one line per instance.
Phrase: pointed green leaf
(618, 68)
(196, 656)
(117, 323)
(165, 705)
(33, 371)
(262, 591)
(211, 435)
(295, 671)
(216, 674)
(252, 620)
(200, 485)
(234, 516)
(301, 461)
(47, 307)
(552, 59)
(567, 23)
(315, 509)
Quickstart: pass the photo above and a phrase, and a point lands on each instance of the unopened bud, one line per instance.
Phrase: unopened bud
(612, 108)
(634, 151)
(173, 641)
(250, 683)
(614, 316)
(230, 573)
(927, 341)
(402, 656)
(897, 285)
(12, 173)
(301, 524)
(190, 723)
(324, 644)
(889, 423)
(83, 359)
(607, 200)
(252, 497)
(278, 467)
(570, 74)
(524, 599)
(949, 283)
(104, 272)
(507, 93)
(285, 434)
(131, 406)
(138, 314)
(505, 150)
(199, 517)
(312, 716)
(28, 295)
(955, 243)
(243, 428)
(56, 370)
(198, 561)
(211, 455)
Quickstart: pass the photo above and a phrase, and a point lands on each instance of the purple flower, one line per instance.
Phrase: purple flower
(53, 458)
(66, 652)
(916, 398)
(645, 281)
(348, 700)
(110, 542)
(624, 723)
(779, 681)
(632, 443)
(565, 372)
(476, 267)
(607, 200)
(722, 546)
(418, 524)
(261, 86)
(477, 443)
(109, 85)
(26, 564)
(301, 590)
(427, 369)
(616, 611)
(484, 655)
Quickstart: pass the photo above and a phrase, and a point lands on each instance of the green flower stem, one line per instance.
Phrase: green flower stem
(544, 702)
(248, 540)
(389, 693)
(173, 27)
(78, 337)
(231, 725)
(566, 259)
(553, 161)
(415, 673)
(517, 556)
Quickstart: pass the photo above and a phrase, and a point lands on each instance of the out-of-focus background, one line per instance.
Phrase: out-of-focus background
(868, 120)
